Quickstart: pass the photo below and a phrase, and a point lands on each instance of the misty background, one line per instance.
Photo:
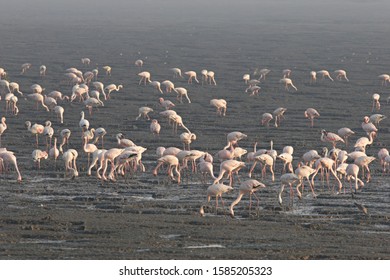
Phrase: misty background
(152, 12)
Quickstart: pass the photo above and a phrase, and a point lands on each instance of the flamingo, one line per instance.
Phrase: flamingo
(107, 69)
(367, 126)
(59, 110)
(166, 104)
(220, 105)
(313, 77)
(25, 67)
(156, 85)
(3, 127)
(364, 141)
(377, 118)
(330, 137)
(38, 99)
(341, 74)
(216, 190)
(266, 118)
(14, 107)
(287, 179)
(326, 163)
(266, 160)
(382, 154)
(155, 127)
(139, 63)
(143, 112)
(83, 123)
(229, 166)
(191, 75)
(42, 70)
(145, 77)
(204, 76)
(91, 102)
(58, 95)
(5, 85)
(100, 87)
(263, 73)
(38, 155)
(15, 87)
(345, 133)
(176, 122)
(287, 82)
(123, 142)
(48, 131)
(311, 113)
(287, 159)
(50, 102)
(89, 148)
(110, 156)
(97, 156)
(254, 90)
(279, 115)
(304, 172)
(54, 152)
(324, 74)
(187, 138)
(310, 157)
(247, 187)
(70, 157)
(286, 73)
(363, 162)
(211, 77)
(85, 61)
(8, 157)
(233, 138)
(88, 135)
(180, 93)
(375, 102)
(65, 135)
(112, 87)
(352, 172)
(36, 129)
(88, 77)
(169, 86)
(246, 78)
(176, 72)
(36, 88)
(99, 133)
(385, 78)
(204, 168)
(173, 164)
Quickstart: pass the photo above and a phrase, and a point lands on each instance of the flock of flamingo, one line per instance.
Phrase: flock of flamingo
(344, 163)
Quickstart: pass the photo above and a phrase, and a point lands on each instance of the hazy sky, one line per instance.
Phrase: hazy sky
(150, 12)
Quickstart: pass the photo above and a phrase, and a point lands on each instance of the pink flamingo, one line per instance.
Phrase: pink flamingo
(233, 138)
(173, 164)
(247, 187)
(220, 105)
(155, 127)
(8, 157)
(229, 166)
(216, 190)
(311, 113)
(3, 127)
(345, 133)
(191, 75)
(287, 179)
(330, 137)
(341, 74)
